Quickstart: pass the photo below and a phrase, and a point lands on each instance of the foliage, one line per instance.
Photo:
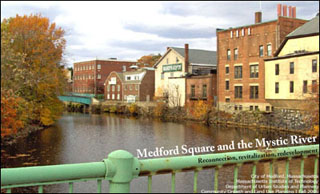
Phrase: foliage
(199, 109)
(133, 109)
(31, 67)
(149, 60)
(160, 109)
(312, 105)
(113, 109)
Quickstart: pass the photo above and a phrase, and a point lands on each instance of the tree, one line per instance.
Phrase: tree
(149, 60)
(31, 65)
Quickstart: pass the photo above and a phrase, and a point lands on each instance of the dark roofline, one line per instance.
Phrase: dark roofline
(292, 37)
(294, 55)
(270, 21)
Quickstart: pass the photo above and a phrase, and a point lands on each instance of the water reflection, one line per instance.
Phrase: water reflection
(80, 138)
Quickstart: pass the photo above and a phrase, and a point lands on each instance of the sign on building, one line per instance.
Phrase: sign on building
(131, 99)
(172, 67)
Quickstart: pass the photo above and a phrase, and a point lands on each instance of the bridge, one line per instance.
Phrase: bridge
(79, 98)
(121, 167)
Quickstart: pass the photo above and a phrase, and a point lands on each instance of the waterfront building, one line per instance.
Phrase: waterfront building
(241, 51)
(292, 75)
(130, 86)
(174, 68)
(89, 76)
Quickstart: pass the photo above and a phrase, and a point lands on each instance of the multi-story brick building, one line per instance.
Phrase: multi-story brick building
(293, 73)
(130, 86)
(201, 87)
(241, 51)
(89, 76)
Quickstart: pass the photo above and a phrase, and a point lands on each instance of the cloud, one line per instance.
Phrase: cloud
(177, 32)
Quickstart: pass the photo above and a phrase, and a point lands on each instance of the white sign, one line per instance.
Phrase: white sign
(131, 99)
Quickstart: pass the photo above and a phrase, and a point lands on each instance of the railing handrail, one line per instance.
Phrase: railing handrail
(121, 167)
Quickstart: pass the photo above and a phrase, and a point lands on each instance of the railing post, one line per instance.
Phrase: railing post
(122, 167)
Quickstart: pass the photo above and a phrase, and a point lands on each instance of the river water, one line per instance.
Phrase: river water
(77, 138)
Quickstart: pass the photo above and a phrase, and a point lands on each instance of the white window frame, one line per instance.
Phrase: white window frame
(99, 66)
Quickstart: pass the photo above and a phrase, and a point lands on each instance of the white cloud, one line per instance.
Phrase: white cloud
(101, 28)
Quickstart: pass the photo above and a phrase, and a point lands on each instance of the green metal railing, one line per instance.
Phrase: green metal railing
(121, 168)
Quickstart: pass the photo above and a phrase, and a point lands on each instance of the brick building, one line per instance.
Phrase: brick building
(241, 51)
(89, 76)
(201, 87)
(130, 86)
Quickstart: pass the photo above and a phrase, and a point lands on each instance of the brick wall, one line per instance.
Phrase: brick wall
(116, 91)
(147, 86)
(263, 34)
(96, 85)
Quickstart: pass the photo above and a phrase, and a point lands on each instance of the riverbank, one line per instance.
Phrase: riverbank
(296, 122)
(20, 135)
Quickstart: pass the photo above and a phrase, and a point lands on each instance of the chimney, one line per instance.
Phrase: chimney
(186, 58)
(279, 9)
(290, 12)
(168, 48)
(258, 17)
(284, 10)
(294, 12)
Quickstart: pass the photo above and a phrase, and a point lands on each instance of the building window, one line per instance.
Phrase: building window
(238, 72)
(108, 96)
(251, 108)
(118, 96)
(277, 88)
(193, 91)
(124, 68)
(177, 60)
(305, 86)
(118, 88)
(314, 65)
(277, 69)
(227, 70)
(136, 86)
(99, 66)
(269, 50)
(235, 107)
(99, 76)
(240, 107)
(227, 85)
(130, 87)
(230, 34)
(204, 91)
(254, 71)
(261, 50)
(291, 86)
(237, 33)
(268, 108)
(162, 75)
(167, 61)
(314, 86)
(227, 99)
(113, 88)
(256, 108)
(125, 88)
(235, 54)
(112, 96)
(254, 92)
(125, 97)
(92, 66)
(242, 32)
(228, 54)
(249, 31)
(291, 67)
(238, 91)
(89, 67)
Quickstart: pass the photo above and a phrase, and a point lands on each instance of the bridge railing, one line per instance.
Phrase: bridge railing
(121, 167)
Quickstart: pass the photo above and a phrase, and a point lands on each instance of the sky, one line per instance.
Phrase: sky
(129, 30)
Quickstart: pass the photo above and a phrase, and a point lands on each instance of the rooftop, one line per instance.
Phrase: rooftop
(311, 27)
(198, 56)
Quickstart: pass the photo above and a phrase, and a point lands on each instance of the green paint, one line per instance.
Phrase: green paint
(172, 67)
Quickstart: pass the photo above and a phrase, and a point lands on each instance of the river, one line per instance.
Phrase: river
(77, 138)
